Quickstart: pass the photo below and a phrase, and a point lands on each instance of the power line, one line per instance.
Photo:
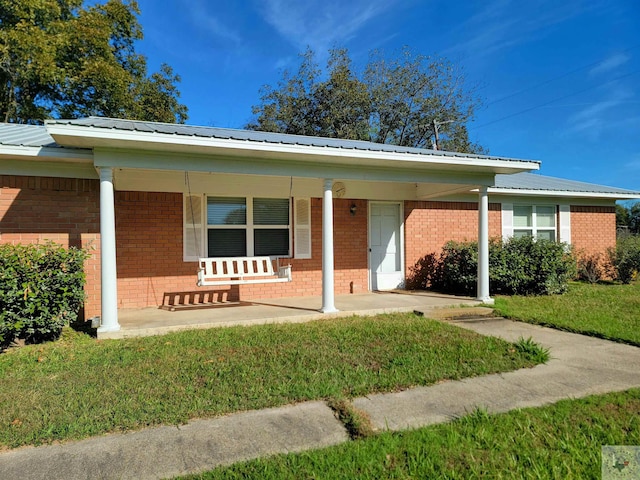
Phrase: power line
(551, 80)
(554, 100)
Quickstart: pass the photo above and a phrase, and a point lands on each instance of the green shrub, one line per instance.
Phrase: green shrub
(524, 266)
(457, 270)
(521, 266)
(41, 290)
(625, 258)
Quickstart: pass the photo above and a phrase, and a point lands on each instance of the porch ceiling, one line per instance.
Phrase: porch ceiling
(278, 186)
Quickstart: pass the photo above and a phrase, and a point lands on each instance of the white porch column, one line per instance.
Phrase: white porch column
(328, 300)
(109, 288)
(483, 246)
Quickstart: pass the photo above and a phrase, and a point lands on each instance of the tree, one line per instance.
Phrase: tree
(412, 101)
(60, 59)
(628, 217)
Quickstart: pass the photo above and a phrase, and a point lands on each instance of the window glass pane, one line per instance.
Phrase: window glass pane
(226, 211)
(546, 235)
(271, 211)
(522, 216)
(271, 241)
(545, 216)
(227, 242)
(521, 233)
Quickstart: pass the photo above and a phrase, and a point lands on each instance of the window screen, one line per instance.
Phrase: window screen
(271, 211)
(271, 241)
(227, 242)
(226, 211)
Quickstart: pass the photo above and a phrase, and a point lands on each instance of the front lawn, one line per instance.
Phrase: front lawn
(559, 441)
(78, 387)
(606, 311)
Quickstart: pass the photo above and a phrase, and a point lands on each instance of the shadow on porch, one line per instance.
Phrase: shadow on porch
(157, 321)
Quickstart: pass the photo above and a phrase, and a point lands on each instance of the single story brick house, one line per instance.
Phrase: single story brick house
(150, 199)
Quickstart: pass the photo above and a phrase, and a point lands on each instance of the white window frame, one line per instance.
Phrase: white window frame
(250, 227)
(534, 228)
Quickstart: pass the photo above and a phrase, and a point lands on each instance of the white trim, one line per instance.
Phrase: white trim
(564, 214)
(562, 193)
(82, 136)
(43, 154)
(507, 220)
(250, 227)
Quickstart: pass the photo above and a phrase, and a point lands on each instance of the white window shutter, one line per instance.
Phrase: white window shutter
(565, 223)
(192, 223)
(302, 228)
(507, 220)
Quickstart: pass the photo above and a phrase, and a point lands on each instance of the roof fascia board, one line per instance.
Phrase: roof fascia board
(47, 153)
(563, 193)
(79, 136)
(47, 169)
(529, 200)
(251, 166)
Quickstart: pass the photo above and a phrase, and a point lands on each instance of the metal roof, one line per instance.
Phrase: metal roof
(25, 135)
(532, 181)
(263, 137)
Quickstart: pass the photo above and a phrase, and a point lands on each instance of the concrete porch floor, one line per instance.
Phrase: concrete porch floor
(155, 321)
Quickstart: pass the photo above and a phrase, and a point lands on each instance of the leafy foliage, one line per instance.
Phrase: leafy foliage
(518, 266)
(41, 290)
(628, 217)
(410, 101)
(533, 350)
(624, 259)
(60, 58)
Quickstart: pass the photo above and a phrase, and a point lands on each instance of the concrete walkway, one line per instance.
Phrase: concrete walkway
(580, 366)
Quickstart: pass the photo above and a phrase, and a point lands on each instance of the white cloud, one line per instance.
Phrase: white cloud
(598, 117)
(505, 23)
(610, 64)
(213, 25)
(321, 24)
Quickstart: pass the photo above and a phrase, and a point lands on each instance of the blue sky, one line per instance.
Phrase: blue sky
(559, 78)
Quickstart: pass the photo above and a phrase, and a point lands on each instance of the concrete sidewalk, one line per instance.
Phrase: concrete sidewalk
(580, 366)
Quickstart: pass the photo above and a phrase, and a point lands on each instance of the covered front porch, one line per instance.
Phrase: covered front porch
(157, 321)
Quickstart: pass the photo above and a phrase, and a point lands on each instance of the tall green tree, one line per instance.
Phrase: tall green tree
(62, 59)
(412, 100)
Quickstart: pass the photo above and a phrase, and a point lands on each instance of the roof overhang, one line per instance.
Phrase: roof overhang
(114, 139)
(564, 193)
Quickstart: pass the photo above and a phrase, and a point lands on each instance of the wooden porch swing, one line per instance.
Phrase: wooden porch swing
(218, 271)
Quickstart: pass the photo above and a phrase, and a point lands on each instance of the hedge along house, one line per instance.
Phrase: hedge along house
(150, 199)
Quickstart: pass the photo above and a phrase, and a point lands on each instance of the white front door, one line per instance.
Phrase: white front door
(385, 246)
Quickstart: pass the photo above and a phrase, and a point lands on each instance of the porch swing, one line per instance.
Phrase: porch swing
(218, 271)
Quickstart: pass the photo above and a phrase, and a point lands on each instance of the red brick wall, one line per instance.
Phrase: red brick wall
(149, 237)
(429, 225)
(593, 229)
(150, 253)
(62, 210)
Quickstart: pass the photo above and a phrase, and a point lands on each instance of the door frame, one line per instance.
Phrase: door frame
(400, 206)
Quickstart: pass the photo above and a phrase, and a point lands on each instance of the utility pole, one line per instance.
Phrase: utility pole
(436, 123)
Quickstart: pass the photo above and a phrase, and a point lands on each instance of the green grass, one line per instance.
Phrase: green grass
(78, 387)
(606, 310)
(558, 441)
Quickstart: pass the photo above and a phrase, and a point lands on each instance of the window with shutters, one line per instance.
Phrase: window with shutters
(236, 227)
